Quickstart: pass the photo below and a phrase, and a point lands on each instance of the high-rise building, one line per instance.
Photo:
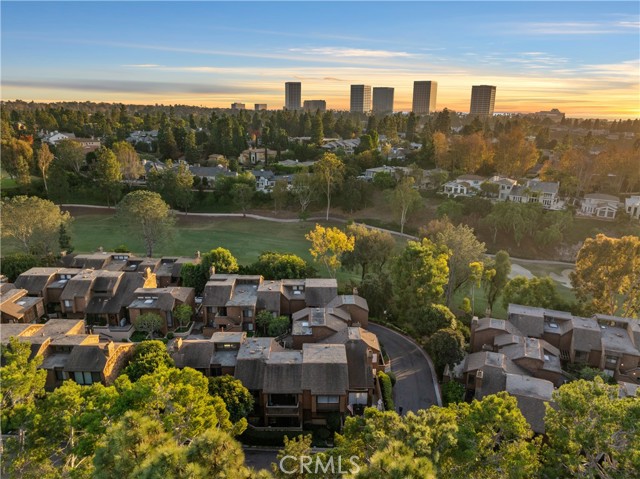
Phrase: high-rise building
(360, 98)
(292, 95)
(424, 97)
(483, 99)
(237, 106)
(315, 105)
(382, 100)
(260, 106)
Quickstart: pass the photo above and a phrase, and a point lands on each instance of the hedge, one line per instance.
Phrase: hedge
(387, 391)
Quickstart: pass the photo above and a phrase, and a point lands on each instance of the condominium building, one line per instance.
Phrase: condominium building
(260, 106)
(238, 106)
(360, 98)
(382, 100)
(483, 99)
(315, 105)
(292, 95)
(424, 97)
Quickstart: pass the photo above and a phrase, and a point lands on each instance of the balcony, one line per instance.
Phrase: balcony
(283, 410)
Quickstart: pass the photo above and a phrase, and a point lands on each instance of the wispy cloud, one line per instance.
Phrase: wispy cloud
(573, 28)
(143, 65)
(352, 52)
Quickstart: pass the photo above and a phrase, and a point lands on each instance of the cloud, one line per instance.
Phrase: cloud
(342, 52)
(129, 86)
(572, 28)
(143, 65)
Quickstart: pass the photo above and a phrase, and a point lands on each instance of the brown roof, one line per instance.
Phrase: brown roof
(90, 358)
(320, 291)
(79, 286)
(194, 354)
(349, 300)
(283, 373)
(35, 280)
(325, 369)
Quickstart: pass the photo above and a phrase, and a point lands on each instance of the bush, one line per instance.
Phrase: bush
(170, 335)
(393, 378)
(452, 392)
(387, 391)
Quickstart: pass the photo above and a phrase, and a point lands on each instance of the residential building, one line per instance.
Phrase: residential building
(260, 106)
(536, 191)
(632, 206)
(68, 352)
(360, 100)
(88, 144)
(554, 115)
(348, 146)
(600, 205)
(17, 307)
(238, 106)
(464, 185)
(424, 97)
(382, 100)
(162, 302)
(292, 95)
(483, 98)
(253, 156)
(56, 136)
(313, 106)
(211, 173)
(146, 137)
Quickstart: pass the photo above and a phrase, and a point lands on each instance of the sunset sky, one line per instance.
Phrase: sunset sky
(580, 57)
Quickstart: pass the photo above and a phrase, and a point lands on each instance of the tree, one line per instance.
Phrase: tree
(515, 155)
(149, 323)
(591, 432)
(446, 348)
(22, 382)
(191, 152)
(13, 265)
(404, 198)
(148, 357)
(44, 159)
(147, 217)
(183, 314)
(242, 195)
(131, 167)
(237, 398)
(465, 249)
(219, 260)
(371, 247)
(303, 189)
(495, 283)
(375, 289)
(328, 245)
(537, 292)
(452, 392)
(17, 158)
(280, 194)
(183, 187)
(71, 155)
(107, 173)
(58, 183)
(278, 326)
(64, 240)
(167, 145)
(33, 222)
(317, 129)
(419, 275)
(607, 275)
(330, 173)
(440, 149)
(432, 318)
(272, 265)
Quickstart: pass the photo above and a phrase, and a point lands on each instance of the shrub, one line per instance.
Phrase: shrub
(393, 378)
(387, 391)
(452, 392)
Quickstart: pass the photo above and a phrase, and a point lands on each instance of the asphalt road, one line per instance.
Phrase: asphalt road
(415, 387)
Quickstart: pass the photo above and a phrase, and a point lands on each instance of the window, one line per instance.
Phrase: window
(612, 360)
(328, 399)
(83, 378)
(61, 375)
(67, 303)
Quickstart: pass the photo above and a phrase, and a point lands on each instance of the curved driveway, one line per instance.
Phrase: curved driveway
(416, 386)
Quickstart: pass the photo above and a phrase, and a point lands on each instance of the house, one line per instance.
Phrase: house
(212, 357)
(265, 180)
(464, 185)
(69, 353)
(632, 206)
(253, 156)
(348, 146)
(36, 280)
(56, 136)
(161, 301)
(297, 163)
(599, 205)
(536, 191)
(169, 270)
(88, 144)
(504, 185)
(211, 173)
(311, 325)
(17, 307)
(146, 137)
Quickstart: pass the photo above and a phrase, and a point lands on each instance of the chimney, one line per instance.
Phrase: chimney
(355, 291)
(212, 270)
(474, 323)
(479, 377)
(109, 349)
(198, 254)
(100, 249)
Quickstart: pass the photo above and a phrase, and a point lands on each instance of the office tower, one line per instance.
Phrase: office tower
(382, 100)
(424, 97)
(315, 105)
(360, 98)
(483, 99)
(260, 106)
(292, 95)
(237, 106)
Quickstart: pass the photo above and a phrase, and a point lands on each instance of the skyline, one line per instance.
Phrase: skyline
(581, 57)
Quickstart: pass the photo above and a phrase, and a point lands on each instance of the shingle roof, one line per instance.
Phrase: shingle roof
(349, 300)
(283, 373)
(325, 369)
(35, 280)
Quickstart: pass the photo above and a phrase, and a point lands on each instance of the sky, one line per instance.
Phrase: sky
(580, 57)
